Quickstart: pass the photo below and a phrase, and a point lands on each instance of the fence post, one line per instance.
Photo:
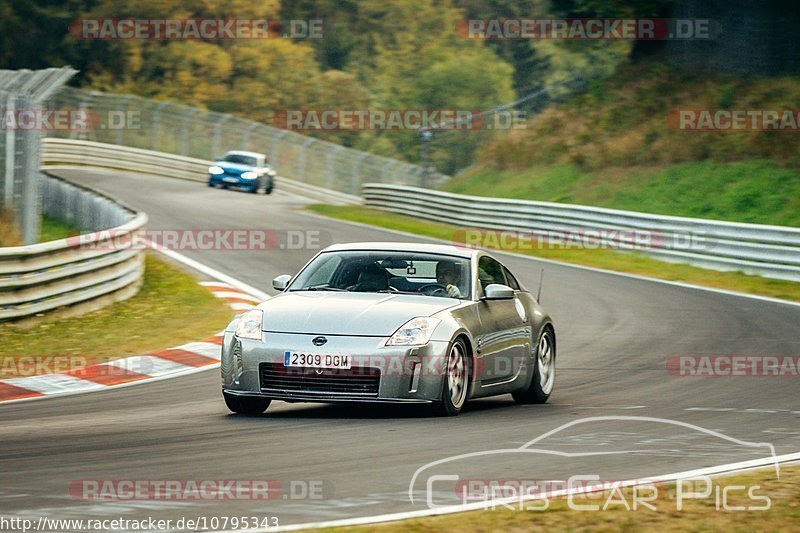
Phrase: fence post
(301, 161)
(155, 124)
(121, 131)
(28, 176)
(355, 179)
(275, 149)
(87, 98)
(331, 170)
(188, 115)
(8, 191)
(217, 139)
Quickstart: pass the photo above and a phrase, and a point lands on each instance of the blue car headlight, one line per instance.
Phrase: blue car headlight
(249, 175)
(215, 170)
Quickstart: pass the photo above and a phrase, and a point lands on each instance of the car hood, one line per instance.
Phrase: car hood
(233, 168)
(335, 313)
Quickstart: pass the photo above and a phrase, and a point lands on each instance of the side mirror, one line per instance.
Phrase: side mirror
(281, 282)
(495, 291)
(218, 158)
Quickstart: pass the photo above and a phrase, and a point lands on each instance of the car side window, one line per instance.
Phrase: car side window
(512, 281)
(490, 271)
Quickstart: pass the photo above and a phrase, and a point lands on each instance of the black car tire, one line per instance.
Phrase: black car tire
(446, 406)
(245, 405)
(534, 393)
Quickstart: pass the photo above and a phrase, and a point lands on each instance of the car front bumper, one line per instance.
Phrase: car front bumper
(232, 181)
(405, 374)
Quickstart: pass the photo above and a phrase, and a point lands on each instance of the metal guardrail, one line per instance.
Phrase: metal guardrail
(198, 133)
(76, 270)
(99, 155)
(769, 251)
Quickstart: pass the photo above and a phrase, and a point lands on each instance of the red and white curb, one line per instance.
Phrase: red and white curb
(180, 360)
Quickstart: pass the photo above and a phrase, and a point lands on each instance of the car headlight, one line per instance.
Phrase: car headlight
(415, 332)
(249, 175)
(215, 170)
(250, 325)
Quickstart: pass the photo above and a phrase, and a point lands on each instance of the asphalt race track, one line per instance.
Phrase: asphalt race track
(614, 337)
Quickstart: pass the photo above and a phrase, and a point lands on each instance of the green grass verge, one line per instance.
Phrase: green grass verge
(607, 259)
(52, 230)
(613, 146)
(696, 514)
(170, 309)
(755, 191)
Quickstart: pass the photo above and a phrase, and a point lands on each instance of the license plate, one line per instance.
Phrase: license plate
(230, 180)
(306, 360)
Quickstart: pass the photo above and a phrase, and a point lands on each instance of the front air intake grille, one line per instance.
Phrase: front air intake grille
(360, 381)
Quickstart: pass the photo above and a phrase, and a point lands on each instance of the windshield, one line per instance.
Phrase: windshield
(390, 272)
(240, 159)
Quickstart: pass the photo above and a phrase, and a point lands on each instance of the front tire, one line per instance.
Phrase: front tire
(544, 372)
(455, 382)
(245, 405)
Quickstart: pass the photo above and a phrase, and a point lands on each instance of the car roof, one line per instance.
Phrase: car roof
(242, 152)
(444, 249)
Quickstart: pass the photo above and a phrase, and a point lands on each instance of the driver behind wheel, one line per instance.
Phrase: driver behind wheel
(447, 273)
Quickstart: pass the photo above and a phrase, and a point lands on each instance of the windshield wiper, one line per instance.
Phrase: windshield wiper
(323, 289)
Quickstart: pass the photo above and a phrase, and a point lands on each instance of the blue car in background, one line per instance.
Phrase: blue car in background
(243, 170)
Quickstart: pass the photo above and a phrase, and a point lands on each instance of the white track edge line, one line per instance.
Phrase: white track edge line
(216, 274)
(712, 471)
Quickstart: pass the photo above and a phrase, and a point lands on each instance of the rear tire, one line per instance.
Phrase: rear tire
(245, 405)
(544, 372)
(455, 382)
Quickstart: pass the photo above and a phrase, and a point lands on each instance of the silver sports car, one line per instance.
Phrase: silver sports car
(393, 323)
